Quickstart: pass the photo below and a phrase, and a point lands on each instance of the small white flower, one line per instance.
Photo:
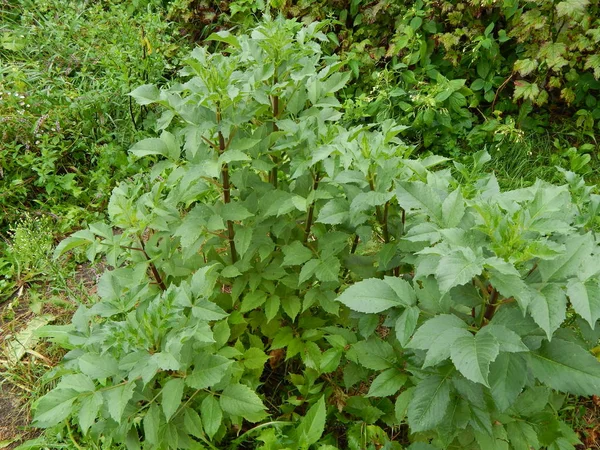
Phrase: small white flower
(16, 94)
(37, 142)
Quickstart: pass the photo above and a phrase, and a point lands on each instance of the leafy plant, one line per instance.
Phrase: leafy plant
(261, 217)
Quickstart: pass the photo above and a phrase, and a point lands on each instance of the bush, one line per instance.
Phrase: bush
(276, 268)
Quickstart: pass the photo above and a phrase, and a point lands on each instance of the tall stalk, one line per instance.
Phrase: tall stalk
(226, 192)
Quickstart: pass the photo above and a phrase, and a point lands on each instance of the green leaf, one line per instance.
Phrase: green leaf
(406, 324)
(387, 383)
(164, 146)
(457, 268)
(375, 354)
(525, 90)
(433, 328)
(571, 7)
(172, 393)
(508, 374)
(335, 212)
(370, 296)
(193, 423)
(312, 425)
(212, 415)
(253, 300)
(97, 366)
(548, 308)
(402, 402)
(230, 156)
(522, 436)
(151, 424)
(404, 290)
(234, 211)
(255, 358)
(420, 196)
(54, 407)
(207, 310)
(88, 411)
(453, 209)
(296, 254)
(240, 400)
(116, 399)
(585, 298)
(509, 340)
(429, 403)
(242, 239)
(525, 66)
(566, 367)
(472, 356)
(145, 94)
(208, 370)
(577, 248)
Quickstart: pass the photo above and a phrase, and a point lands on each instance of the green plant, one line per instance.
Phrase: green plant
(262, 216)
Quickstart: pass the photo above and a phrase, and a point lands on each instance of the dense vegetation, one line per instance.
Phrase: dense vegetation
(318, 224)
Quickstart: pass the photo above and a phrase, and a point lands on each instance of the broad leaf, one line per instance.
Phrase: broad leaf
(172, 393)
(370, 296)
(566, 367)
(472, 356)
(387, 383)
(420, 196)
(312, 424)
(458, 268)
(117, 398)
(212, 415)
(240, 400)
(429, 402)
(508, 374)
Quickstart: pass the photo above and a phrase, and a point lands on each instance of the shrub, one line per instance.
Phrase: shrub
(275, 263)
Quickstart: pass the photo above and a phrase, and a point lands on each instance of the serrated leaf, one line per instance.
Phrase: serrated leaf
(577, 248)
(472, 356)
(585, 298)
(235, 211)
(242, 239)
(255, 358)
(240, 400)
(508, 374)
(54, 407)
(375, 354)
(151, 424)
(522, 436)
(429, 403)
(457, 268)
(335, 212)
(402, 402)
(439, 348)
(509, 340)
(172, 393)
(89, 411)
(370, 296)
(208, 370)
(193, 423)
(253, 300)
(98, 366)
(404, 290)
(420, 196)
(145, 94)
(312, 425)
(433, 328)
(296, 254)
(566, 367)
(406, 324)
(571, 7)
(387, 383)
(212, 415)
(206, 310)
(453, 209)
(117, 399)
(230, 156)
(548, 308)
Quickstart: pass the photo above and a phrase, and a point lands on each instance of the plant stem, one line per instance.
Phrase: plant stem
(384, 224)
(152, 266)
(275, 103)
(492, 305)
(311, 210)
(226, 192)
